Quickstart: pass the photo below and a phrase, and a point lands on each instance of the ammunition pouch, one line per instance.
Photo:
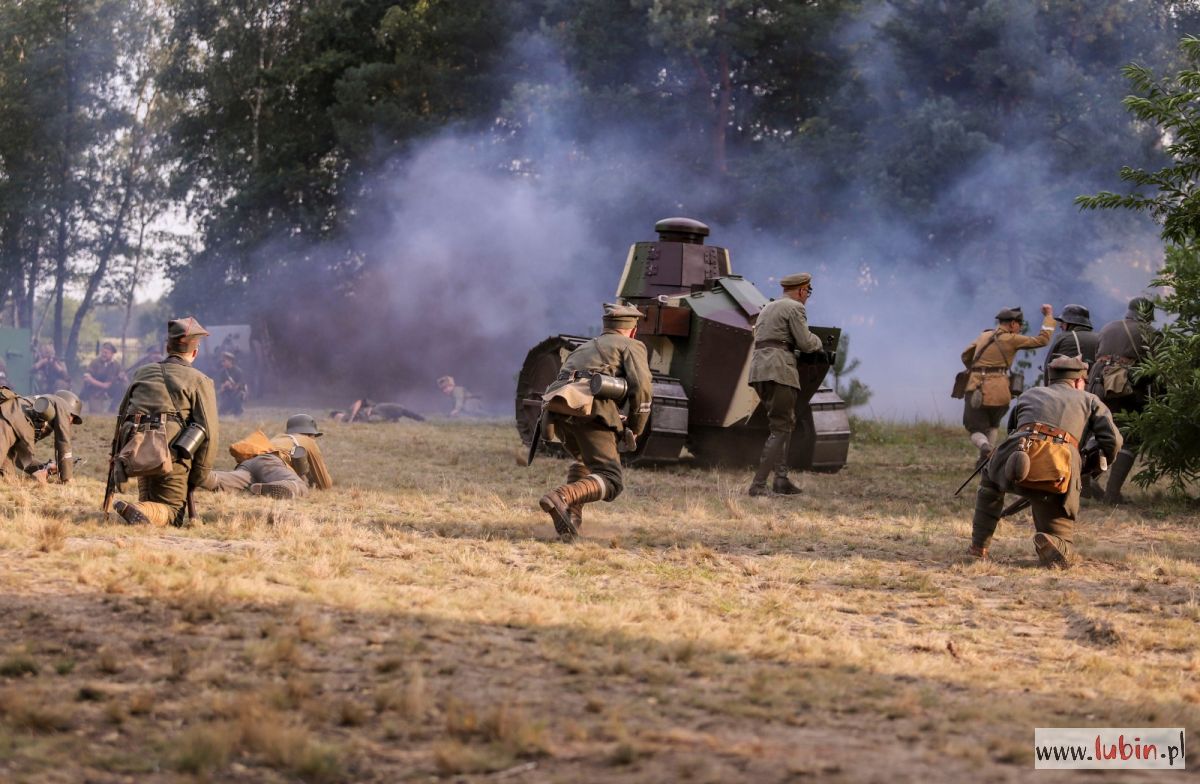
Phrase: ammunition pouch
(1114, 381)
(959, 390)
(573, 399)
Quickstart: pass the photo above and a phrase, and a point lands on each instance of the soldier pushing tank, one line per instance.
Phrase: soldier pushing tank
(780, 331)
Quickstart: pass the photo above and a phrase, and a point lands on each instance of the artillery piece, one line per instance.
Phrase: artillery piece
(697, 327)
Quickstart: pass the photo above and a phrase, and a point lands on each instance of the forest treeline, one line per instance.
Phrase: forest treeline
(218, 143)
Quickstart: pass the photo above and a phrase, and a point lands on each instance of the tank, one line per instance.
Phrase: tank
(697, 326)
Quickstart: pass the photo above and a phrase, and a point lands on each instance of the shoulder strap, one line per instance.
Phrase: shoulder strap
(1078, 347)
(986, 346)
(1132, 342)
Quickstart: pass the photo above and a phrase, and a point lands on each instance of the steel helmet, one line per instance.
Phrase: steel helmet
(302, 424)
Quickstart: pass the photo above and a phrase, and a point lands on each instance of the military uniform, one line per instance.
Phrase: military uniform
(465, 403)
(49, 372)
(294, 464)
(25, 421)
(1124, 342)
(1075, 340)
(364, 410)
(1058, 411)
(185, 395)
(591, 439)
(231, 386)
(102, 377)
(302, 432)
(780, 330)
(989, 358)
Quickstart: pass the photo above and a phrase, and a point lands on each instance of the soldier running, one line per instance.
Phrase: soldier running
(1068, 415)
(989, 358)
(1075, 338)
(1122, 344)
(779, 332)
(591, 438)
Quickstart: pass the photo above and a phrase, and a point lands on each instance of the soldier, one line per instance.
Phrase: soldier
(49, 372)
(364, 410)
(1076, 338)
(184, 395)
(780, 330)
(989, 358)
(293, 464)
(103, 374)
(591, 438)
(231, 385)
(152, 354)
(299, 442)
(465, 403)
(1062, 412)
(1122, 344)
(25, 421)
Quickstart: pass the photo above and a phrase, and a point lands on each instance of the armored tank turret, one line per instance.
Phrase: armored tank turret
(697, 327)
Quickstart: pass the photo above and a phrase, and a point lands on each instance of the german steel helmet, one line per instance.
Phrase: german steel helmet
(1075, 314)
(303, 425)
(74, 405)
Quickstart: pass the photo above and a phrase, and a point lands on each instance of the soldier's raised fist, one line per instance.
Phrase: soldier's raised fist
(1047, 310)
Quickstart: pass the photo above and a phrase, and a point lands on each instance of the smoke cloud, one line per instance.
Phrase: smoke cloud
(478, 245)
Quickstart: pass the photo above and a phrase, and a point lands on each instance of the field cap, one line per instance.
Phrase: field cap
(621, 316)
(1067, 367)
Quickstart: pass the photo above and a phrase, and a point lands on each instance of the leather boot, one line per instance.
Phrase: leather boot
(281, 490)
(130, 513)
(1117, 473)
(782, 484)
(768, 460)
(575, 472)
(1052, 552)
(978, 553)
(558, 502)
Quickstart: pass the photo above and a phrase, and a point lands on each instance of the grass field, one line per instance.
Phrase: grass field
(420, 622)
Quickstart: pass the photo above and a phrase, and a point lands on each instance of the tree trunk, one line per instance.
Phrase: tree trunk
(63, 231)
(724, 96)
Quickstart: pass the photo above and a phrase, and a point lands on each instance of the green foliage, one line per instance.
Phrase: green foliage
(1168, 427)
(854, 392)
(1172, 105)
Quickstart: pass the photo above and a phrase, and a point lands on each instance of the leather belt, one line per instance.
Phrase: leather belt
(1049, 431)
(1113, 359)
(773, 344)
(988, 370)
(567, 375)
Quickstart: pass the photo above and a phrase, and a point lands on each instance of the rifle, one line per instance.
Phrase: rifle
(983, 464)
(110, 485)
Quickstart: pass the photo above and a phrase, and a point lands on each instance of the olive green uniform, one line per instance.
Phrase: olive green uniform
(780, 330)
(989, 358)
(465, 403)
(20, 428)
(1059, 405)
(592, 440)
(175, 388)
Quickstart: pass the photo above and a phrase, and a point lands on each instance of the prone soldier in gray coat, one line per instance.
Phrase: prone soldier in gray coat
(780, 330)
(1122, 344)
(1066, 413)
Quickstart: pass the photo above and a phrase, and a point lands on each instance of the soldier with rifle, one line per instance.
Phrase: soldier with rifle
(1040, 459)
(588, 424)
(25, 421)
(166, 432)
(780, 330)
(231, 385)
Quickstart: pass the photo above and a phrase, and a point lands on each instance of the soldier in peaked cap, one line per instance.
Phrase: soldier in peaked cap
(1067, 415)
(1121, 345)
(780, 330)
(174, 392)
(588, 427)
(989, 358)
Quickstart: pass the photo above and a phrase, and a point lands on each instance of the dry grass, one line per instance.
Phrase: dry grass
(420, 621)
